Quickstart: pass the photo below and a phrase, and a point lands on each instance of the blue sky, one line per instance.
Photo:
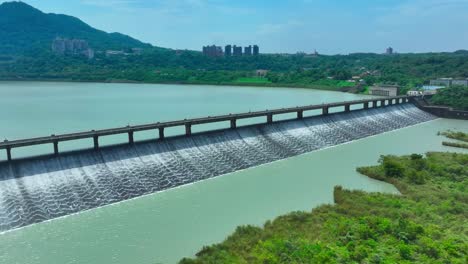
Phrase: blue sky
(330, 26)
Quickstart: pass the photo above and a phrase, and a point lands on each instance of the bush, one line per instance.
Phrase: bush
(392, 167)
(405, 251)
(455, 96)
(417, 177)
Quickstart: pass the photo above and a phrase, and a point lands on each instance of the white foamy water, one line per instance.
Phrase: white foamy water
(38, 190)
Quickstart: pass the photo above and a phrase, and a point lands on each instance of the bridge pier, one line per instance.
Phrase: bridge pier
(161, 133)
(347, 108)
(8, 151)
(130, 137)
(233, 123)
(325, 110)
(96, 142)
(269, 118)
(232, 118)
(56, 149)
(300, 114)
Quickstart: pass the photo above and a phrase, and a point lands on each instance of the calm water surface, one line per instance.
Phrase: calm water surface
(164, 227)
(34, 109)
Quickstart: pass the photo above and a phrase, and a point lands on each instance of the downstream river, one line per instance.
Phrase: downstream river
(166, 226)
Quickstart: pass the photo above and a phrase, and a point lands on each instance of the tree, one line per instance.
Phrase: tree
(392, 167)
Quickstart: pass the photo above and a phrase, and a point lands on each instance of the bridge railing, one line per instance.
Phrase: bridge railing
(188, 123)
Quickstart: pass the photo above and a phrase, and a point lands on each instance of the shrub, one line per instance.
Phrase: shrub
(392, 168)
(405, 251)
(417, 177)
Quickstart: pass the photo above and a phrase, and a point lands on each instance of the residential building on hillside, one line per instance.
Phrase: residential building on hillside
(256, 50)
(389, 51)
(213, 51)
(248, 51)
(384, 90)
(447, 82)
(237, 51)
(228, 50)
(231, 50)
(261, 73)
(460, 82)
(64, 47)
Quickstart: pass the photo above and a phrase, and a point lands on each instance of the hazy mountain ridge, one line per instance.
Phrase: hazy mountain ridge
(24, 29)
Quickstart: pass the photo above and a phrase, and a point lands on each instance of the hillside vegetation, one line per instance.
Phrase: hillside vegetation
(26, 30)
(456, 97)
(425, 224)
(27, 34)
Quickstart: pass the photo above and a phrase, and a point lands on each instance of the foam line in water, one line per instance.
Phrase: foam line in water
(33, 191)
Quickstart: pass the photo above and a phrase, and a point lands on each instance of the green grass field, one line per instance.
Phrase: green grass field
(346, 84)
(252, 80)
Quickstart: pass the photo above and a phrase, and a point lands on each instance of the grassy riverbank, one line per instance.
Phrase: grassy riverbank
(455, 135)
(426, 224)
(455, 144)
(459, 136)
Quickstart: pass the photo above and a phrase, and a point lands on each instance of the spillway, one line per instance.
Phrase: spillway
(45, 188)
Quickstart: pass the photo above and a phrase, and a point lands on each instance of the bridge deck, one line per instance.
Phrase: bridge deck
(8, 145)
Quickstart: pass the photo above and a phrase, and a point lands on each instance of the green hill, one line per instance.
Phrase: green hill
(25, 29)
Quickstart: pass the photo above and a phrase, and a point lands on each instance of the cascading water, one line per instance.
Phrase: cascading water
(33, 191)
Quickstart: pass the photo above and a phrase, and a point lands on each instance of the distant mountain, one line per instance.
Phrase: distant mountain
(461, 52)
(24, 28)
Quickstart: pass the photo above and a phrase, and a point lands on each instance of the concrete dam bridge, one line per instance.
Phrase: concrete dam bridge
(41, 188)
(232, 118)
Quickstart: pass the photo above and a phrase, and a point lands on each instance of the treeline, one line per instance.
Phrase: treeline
(164, 65)
(426, 224)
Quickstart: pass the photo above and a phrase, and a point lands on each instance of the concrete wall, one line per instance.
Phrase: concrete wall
(383, 91)
(440, 111)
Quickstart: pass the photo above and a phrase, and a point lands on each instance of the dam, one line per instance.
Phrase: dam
(44, 188)
(188, 123)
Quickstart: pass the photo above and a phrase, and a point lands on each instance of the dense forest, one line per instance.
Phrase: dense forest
(168, 66)
(425, 224)
(456, 97)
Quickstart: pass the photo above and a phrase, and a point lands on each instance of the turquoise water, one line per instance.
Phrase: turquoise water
(164, 227)
(34, 109)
